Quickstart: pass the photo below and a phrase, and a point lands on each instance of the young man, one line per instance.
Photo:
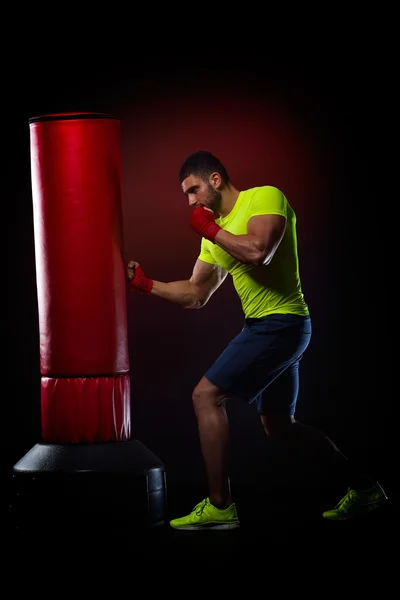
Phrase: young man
(251, 235)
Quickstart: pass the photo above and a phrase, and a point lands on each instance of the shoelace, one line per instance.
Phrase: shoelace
(347, 500)
(199, 508)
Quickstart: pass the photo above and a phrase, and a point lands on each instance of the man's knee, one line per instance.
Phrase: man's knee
(277, 426)
(206, 395)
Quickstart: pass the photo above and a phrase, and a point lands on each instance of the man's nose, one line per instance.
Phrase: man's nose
(192, 200)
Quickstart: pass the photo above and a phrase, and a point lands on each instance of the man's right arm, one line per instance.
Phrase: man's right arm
(190, 293)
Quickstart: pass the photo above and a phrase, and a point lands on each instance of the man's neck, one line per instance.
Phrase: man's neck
(229, 197)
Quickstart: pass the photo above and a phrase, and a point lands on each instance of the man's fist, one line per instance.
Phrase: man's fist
(203, 222)
(136, 277)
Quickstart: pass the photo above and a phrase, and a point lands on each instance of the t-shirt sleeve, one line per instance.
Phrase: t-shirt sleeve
(205, 254)
(269, 200)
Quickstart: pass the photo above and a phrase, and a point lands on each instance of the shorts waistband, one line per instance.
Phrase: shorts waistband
(285, 316)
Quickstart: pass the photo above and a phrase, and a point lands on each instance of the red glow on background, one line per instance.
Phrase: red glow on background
(259, 145)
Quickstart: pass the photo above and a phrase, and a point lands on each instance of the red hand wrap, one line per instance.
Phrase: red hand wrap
(203, 222)
(140, 282)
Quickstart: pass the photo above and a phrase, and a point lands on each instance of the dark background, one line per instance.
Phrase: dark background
(311, 125)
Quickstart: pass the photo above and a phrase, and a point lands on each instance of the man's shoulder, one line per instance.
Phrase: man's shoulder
(266, 191)
(262, 189)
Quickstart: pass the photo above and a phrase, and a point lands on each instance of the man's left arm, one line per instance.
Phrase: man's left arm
(265, 228)
(259, 244)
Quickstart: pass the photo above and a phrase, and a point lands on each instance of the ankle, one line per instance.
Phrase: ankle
(220, 503)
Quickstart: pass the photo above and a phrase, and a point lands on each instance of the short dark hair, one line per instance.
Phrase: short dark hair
(201, 164)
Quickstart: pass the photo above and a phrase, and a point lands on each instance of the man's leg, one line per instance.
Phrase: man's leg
(313, 445)
(213, 426)
(217, 511)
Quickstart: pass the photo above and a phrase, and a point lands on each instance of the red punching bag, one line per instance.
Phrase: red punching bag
(86, 461)
(81, 288)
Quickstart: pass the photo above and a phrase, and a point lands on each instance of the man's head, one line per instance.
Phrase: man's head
(203, 177)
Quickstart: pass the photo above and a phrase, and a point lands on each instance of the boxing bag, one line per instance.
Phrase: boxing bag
(80, 276)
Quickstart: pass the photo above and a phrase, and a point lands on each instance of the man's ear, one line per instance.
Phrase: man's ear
(215, 180)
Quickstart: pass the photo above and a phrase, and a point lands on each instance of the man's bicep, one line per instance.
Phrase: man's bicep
(207, 277)
(268, 228)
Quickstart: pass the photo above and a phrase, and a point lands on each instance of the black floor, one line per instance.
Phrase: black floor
(275, 517)
(279, 506)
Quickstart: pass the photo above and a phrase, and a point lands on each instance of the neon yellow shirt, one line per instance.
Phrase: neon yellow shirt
(263, 290)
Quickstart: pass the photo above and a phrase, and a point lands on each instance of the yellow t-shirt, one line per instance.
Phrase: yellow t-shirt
(263, 290)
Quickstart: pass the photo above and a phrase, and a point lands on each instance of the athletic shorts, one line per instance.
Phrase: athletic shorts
(261, 364)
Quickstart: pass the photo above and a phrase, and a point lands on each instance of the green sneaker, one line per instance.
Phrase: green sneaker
(206, 516)
(357, 504)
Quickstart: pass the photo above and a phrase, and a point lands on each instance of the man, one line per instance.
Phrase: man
(251, 235)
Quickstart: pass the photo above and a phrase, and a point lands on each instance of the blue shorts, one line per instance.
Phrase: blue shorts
(261, 364)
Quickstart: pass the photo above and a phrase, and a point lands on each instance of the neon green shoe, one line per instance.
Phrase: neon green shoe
(357, 504)
(206, 516)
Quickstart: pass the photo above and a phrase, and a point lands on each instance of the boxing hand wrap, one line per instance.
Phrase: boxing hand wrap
(203, 222)
(140, 282)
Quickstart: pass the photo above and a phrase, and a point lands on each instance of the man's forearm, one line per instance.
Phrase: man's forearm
(179, 292)
(245, 248)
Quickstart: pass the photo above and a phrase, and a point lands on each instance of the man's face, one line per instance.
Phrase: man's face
(201, 193)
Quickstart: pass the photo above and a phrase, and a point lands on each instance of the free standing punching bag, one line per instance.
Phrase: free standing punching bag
(81, 292)
(76, 189)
